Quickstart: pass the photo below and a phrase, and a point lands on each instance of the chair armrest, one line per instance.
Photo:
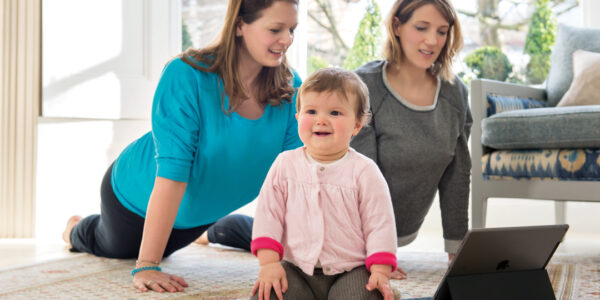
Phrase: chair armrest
(480, 88)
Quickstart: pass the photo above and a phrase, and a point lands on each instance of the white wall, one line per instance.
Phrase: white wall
(101, 63)
(73, 156)
(102, 59)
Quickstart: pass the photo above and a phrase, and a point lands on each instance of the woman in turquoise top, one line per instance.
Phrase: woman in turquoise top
(220, 116)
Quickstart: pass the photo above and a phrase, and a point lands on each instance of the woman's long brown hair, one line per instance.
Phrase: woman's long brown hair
(221, 57)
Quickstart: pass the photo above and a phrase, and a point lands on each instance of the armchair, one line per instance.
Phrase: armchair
(525, 178)
(523, 146)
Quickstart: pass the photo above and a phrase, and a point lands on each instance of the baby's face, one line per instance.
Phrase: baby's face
(326, 123)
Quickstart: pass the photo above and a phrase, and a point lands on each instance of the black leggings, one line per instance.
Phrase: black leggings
(233, 231)
(117, 232)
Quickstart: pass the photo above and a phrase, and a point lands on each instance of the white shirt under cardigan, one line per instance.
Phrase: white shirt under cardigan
(339, 214)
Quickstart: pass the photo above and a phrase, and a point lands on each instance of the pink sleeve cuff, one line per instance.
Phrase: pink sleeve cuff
(381, 258)
(266, 243)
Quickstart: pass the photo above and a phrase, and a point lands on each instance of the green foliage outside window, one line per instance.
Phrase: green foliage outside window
(316, 63)
(539, 42)
(489, 62)
(367, 39)
(186, 40)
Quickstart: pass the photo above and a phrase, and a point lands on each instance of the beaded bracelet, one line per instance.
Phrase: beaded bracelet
(157, 268)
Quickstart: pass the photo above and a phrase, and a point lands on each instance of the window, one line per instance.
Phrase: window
(202, 21)
(333, 30)
(505, 24)
(329, 30)
(333, 27)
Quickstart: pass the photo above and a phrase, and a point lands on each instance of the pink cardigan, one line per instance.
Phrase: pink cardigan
(339, 215)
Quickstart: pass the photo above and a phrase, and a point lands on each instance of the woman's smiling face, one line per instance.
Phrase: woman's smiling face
(265, 41)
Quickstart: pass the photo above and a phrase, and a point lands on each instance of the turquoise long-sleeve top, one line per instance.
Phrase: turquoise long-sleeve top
(223, 158)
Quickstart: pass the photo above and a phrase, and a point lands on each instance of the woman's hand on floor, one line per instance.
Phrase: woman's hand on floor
(158, 281)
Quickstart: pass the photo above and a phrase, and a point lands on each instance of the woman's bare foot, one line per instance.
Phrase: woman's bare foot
(203, 239)
(70, 224)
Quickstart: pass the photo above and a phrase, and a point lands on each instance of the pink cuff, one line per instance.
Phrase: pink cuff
(381, 258)
(266, 243)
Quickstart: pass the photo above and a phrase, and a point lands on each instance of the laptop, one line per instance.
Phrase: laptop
(502, 263)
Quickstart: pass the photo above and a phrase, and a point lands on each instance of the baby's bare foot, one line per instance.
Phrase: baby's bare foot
(70, 224)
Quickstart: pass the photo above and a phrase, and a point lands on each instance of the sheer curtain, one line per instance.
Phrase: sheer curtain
(590, 11)
(19, 108)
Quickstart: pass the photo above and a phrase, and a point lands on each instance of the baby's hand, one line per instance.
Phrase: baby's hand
(271, 275)
(380, 279)
(399, 274)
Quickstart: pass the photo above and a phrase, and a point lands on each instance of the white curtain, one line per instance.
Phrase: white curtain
(590, 9)
(20, 74)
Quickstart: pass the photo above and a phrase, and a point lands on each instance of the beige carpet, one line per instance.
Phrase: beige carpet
(215, 273)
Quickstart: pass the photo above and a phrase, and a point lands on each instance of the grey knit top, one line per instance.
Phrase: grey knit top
(420, 150)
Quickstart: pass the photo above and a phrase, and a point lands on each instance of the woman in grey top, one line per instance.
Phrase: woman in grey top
(421, 119)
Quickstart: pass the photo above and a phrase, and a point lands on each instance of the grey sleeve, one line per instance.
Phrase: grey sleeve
(365, 141)
(454, 184)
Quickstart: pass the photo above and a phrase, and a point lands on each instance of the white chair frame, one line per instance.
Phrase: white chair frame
(482, 190)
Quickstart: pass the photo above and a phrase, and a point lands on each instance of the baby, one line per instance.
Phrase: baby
(324, 226)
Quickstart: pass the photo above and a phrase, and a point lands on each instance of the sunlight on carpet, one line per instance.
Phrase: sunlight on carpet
(216, 273)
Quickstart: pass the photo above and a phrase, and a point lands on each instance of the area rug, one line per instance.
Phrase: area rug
(217, 273)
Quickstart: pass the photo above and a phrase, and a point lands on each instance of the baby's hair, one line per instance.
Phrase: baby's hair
(345, 83)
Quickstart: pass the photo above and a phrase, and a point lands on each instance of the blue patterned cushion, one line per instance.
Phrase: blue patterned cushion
(552, 164)
(568, 39)
(543, 128)
(497, 103)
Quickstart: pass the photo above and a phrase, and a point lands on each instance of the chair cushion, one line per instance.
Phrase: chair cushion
(552, 164)
(585, 88)
(498, 103)
(568, 39)
(543, 128)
